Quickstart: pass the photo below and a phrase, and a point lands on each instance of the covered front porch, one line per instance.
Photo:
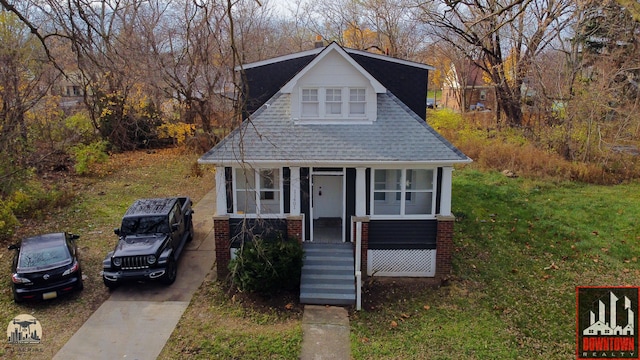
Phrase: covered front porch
(337, 214)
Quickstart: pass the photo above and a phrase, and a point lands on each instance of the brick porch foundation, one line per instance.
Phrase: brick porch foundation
(364, 246)
(294, 227)
(223, 245)
(444, 245)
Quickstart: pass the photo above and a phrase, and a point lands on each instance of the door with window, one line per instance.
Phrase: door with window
(327, 207)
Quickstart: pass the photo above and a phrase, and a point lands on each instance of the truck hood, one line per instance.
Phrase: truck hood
(132, 245)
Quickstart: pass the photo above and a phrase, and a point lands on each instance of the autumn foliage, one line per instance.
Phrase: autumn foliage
(523, 154)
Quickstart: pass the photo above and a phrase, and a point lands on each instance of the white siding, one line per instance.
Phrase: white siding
(334, 71)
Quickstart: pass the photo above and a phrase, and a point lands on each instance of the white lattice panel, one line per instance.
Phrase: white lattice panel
(401, 263)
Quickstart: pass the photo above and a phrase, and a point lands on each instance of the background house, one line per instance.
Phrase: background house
(466, 88)
(336, 152)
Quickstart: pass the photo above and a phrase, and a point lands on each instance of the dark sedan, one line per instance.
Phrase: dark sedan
(45, 267)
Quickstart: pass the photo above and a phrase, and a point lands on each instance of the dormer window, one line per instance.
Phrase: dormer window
(357, 101)
(333, 103)
(310, 104)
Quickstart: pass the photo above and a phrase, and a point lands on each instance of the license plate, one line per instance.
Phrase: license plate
(49, 295)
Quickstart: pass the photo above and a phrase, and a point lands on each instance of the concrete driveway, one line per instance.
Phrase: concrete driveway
(137, 319)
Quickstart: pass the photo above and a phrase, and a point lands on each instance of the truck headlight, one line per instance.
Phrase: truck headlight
(116, 261)
(151, 259)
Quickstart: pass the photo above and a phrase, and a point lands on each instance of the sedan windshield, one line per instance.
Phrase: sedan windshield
(45, 257)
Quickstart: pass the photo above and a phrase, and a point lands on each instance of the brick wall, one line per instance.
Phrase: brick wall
(294, 227)
(444, 245)
(223, 245)
(364, 245)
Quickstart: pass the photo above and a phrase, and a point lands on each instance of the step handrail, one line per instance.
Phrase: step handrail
(358, 261)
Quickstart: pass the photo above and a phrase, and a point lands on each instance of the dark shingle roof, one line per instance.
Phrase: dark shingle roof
(398, 135)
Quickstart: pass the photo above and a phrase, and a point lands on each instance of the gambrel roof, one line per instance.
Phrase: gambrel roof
(396, 134)
(407, 80)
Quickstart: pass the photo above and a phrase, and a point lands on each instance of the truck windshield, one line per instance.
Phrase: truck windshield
(144, 225)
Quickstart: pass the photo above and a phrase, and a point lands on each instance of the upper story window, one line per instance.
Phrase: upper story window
(333, 102)
(310, 103)
(73, 90)
(357, 101)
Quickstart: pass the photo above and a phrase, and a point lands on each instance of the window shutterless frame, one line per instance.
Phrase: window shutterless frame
(258, 191)
(416, 186)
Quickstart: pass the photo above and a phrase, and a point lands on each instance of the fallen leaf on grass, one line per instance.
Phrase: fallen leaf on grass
(406, 316)
(394, 324)
(427, 307)
(552, 266)
(365, 340)
(289, 306)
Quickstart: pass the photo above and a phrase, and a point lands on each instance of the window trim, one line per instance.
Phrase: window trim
(335, 92)
(357, 101)
(315, 102)
(403, 194)
(323, 104)
(258, 191)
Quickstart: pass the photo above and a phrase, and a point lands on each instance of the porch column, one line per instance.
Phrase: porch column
(361, 248)
(221, 233)
(361, 192)
(444, 245)
(294, 227)
(221, 192)
(445, 191)
(295, 191)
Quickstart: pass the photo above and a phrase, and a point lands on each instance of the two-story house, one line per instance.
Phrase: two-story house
(336, 153)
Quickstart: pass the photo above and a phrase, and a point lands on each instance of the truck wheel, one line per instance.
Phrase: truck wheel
(191, 233)
(110, 284)
(171, 274)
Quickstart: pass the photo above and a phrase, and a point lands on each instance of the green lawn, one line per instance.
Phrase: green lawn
(521, 249)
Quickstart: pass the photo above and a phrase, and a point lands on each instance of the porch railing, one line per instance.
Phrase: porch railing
(358, 260)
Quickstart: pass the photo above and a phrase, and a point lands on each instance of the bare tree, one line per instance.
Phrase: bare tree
(25, 78)
(506, 36)
(384, 26)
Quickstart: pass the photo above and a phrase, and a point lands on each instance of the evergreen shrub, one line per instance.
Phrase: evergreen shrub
(267, 266)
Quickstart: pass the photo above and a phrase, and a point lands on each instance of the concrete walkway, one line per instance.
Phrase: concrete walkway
(325, 332)
(137, 319)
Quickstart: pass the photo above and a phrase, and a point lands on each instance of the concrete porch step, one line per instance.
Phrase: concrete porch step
(328, 275)
(327, 298)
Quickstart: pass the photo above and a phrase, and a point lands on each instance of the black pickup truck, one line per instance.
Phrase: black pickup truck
(152, 236)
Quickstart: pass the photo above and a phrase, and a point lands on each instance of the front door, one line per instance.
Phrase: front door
(327, 207)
